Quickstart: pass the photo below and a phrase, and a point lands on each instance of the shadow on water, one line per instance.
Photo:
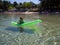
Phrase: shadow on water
(15, 29)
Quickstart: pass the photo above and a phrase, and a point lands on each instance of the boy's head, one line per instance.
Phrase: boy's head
(21, 18)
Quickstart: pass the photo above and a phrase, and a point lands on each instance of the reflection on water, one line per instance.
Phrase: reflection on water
(16, 29)
(39, 35)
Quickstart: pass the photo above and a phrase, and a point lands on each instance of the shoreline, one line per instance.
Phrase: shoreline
(27, 13)
(19, 12)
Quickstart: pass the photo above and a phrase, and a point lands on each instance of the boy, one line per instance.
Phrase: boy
(21, 22)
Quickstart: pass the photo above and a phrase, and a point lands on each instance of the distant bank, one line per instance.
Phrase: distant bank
(6, 12)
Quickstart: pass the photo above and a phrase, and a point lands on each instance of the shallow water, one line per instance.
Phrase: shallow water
(38, 35)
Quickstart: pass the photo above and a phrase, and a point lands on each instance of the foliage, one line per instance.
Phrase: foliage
(27, 4)
(0, 4)
(50, 5)
(11, 7)
(6, 5)
(15, 4)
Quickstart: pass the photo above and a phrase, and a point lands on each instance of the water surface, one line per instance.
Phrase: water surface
(10, 35)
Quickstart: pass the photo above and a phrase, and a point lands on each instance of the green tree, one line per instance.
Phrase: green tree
(20, 5)
(15, 4)
(5, 5)
(50, 5)
(27, 4)
(10, 6)
(0, 4)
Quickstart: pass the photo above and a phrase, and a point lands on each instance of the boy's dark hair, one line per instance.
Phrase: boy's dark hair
(21, 18)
